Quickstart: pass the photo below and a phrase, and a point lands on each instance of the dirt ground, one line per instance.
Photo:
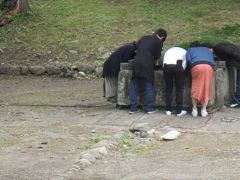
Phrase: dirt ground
(46, 123)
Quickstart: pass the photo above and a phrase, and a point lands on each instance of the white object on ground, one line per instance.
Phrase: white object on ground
(168, 113)
(171, 135)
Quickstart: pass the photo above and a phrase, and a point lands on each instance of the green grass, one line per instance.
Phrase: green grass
(99, 26)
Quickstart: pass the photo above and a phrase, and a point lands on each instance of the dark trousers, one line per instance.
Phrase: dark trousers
(134, 91)
(174, 74)
(237, 95)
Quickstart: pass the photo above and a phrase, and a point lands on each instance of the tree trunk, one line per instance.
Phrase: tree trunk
(24, 6)
(12, 7)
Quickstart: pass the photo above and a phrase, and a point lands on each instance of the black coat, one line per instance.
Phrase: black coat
(124, 53)
(228, 52)
(148, 51)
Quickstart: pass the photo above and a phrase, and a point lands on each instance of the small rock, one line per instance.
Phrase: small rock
(158, 136)
(69, 74)
(14, 70)
(74, 67)
(143, 134)
(142, 127)
(84, 163)
(37, 70)
(4, 69)
(82, 74)
(95, 153)
(44, 143)
(24, 70)
(93, 131)
(88, 156)
(103, 143)
(151, 132)
(171, 135)
(53, 70)
(76, 167)
(99, 71)
(86, 68)
(73, 51)
(102, 150)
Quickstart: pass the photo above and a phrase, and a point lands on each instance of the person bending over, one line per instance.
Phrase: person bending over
(201, 62)
(111, 68)
(230, 53)
(148, 51)
(174, 65)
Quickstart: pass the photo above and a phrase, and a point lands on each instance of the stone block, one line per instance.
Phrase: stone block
(24, 70)
(4, 68)
(14, 70)
(37, 70)
(53, 70)
(223, 86)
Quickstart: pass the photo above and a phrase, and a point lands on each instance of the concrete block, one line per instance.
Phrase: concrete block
(223, 86)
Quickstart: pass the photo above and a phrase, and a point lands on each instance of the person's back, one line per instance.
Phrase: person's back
(228, 52)
(148, 51)
(123, 54)
(201, 61)
(173, 54)
(111, 70)
(199, 55)
(174, 64)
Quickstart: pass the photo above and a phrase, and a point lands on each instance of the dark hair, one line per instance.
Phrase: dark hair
(161, 33)
(135, 44)
(227, 51)
(195, 44)
(198, 44)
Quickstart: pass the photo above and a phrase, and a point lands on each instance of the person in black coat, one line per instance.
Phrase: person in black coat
(230, 53)
(148, 51)
(111, 68)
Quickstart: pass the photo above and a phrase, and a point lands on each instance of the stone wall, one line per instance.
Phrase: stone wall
(50, 70)
(223, 86)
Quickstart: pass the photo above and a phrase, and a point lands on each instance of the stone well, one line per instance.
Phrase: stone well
(223, 86)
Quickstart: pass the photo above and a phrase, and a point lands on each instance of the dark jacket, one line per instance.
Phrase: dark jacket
(148, 51)
(199, 55)
(228, 52)
(124, 53)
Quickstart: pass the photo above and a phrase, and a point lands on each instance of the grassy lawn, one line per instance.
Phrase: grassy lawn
(93, 28)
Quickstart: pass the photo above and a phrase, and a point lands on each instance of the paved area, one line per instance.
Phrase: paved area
(46, 123)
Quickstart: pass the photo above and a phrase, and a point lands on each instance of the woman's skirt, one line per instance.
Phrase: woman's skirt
(202, 75)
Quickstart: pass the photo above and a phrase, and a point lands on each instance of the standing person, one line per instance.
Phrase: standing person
(148, 51)
(231, 54)
(200, 60)
(111, 70)
(174, 65)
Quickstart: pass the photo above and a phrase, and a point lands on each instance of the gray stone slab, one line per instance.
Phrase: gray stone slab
(156, 120)
(188, 122)
(119, 118)
(161, 120)
(226, 120)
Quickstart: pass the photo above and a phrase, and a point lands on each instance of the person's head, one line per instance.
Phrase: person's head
(198, 44)
(135, 43)
(162, 34)
(195, 44)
